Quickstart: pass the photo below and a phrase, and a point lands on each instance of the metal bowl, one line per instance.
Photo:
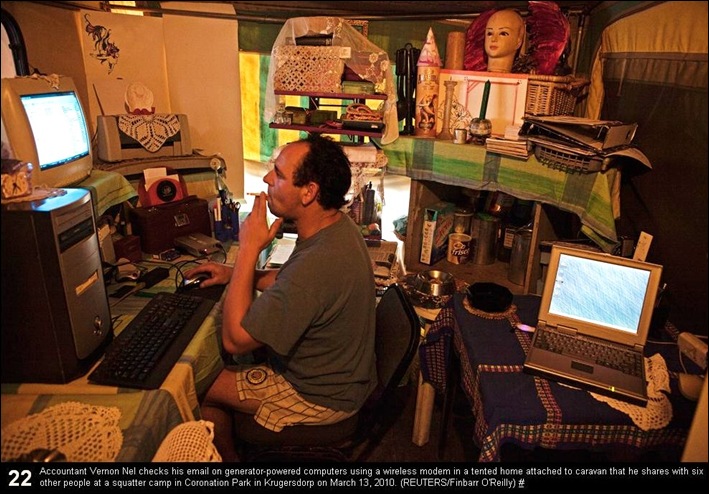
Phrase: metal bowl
(435, 282)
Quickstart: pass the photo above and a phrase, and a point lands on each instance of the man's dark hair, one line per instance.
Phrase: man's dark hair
(327, 165)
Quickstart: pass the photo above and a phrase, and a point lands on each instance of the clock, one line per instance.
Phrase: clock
(16, 179)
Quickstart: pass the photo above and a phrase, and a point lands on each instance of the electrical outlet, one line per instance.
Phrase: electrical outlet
(694, 348)
(643, 246)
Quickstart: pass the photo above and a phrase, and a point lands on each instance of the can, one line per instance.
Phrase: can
(458, 248)
(518, 257)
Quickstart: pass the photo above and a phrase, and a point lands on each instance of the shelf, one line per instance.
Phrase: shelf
(423, 193)
(351, 96)
(326, 130)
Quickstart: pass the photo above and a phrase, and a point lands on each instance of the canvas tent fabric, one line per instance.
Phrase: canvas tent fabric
(651, 68)
(672, 52)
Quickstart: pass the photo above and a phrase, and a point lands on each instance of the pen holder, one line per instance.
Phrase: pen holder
(227, 228)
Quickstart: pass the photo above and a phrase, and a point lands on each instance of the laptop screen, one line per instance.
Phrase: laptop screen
(595, 292)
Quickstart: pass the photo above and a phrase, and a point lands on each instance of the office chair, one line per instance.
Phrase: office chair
(396, 341)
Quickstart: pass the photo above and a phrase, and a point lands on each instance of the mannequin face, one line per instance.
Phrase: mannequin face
(504, 35)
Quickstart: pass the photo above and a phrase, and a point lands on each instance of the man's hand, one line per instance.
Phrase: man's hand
(219, 274)
(255, 233)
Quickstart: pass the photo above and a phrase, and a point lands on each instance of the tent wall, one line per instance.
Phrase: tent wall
(651, 68)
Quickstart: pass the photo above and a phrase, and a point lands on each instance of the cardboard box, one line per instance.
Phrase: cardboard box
(437, 224)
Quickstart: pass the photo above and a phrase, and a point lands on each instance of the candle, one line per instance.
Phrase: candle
(486, 95)
(455, 50)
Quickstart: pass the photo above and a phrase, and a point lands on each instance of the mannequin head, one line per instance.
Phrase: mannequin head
(504, 35)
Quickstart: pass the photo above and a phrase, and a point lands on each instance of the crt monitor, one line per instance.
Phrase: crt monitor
(46, 126)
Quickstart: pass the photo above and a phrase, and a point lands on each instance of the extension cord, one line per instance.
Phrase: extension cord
(694, 348)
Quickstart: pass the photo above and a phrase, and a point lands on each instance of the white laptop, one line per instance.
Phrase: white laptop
(600, 300)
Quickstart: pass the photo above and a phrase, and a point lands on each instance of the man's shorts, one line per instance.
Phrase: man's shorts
(281, 405)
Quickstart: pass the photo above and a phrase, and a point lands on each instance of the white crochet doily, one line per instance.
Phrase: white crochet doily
(658, 411)
(189, 442)
(80, 431)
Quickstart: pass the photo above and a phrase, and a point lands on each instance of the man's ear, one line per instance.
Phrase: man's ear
(309, 193)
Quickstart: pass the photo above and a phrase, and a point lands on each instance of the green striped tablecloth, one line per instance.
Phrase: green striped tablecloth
(588, 195)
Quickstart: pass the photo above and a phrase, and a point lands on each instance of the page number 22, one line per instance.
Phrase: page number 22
(20, 478)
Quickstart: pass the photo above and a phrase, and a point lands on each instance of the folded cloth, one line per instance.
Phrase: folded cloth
(365, 153)
(658, 411)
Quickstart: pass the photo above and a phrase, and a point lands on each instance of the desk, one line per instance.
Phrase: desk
(146, 415)
(512, 407)
(591, 196)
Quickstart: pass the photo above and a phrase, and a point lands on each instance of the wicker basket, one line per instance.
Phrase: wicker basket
(316, 69)
(561, 158)
(553, 95)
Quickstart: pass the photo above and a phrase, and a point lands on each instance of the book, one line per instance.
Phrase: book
(314, 40)
(515, 148)
(383, 258)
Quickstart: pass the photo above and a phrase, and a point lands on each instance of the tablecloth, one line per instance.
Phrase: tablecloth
(146, 415)
(591, 196)
(107, 189)
(511, 406)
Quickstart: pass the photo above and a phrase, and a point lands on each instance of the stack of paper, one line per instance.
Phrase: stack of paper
(281, 251)
(509, 147)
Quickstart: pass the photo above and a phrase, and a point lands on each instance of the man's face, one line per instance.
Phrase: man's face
(503, 34)
(284, 198)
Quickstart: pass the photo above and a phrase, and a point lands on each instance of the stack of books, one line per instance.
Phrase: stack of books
(511, 144)
(515, 148)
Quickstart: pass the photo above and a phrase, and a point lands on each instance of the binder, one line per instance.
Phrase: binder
(598, 135)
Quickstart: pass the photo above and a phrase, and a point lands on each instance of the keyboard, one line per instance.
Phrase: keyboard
(145, 352)
(600, 353)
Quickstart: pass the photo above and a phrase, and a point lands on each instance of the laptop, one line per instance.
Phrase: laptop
(597, 301)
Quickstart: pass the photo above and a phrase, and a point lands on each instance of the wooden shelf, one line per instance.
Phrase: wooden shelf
(325, 130)
(315, 102)
(424, 193)
(351, 96)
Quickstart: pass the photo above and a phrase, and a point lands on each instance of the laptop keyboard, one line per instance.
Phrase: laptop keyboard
(613, 357)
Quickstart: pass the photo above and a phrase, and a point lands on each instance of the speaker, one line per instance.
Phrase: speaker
(55, 319)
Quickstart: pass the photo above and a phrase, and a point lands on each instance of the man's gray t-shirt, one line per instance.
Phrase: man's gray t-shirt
(318, 318)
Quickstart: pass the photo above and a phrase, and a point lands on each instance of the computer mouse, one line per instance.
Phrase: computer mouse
(195, 281)
(690, 385)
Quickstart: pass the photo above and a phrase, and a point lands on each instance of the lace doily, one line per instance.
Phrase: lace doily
(189, 442)
(658, 412)
(82, 432)
(151, 131)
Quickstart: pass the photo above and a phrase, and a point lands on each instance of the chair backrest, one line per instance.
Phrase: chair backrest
(397, 335)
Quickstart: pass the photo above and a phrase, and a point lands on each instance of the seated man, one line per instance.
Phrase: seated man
(315, 317)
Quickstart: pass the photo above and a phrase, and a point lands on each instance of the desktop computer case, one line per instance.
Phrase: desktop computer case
(55, 317)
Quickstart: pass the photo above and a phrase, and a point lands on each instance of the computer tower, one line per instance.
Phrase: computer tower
(55, 316)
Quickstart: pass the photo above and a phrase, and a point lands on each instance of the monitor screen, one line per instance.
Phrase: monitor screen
(44, 124)
(58, 126)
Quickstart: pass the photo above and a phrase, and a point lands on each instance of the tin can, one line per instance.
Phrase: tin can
(460, 136)
(458, 248)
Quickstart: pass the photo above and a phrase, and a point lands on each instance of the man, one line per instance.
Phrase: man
(504, 35)
(315, 316)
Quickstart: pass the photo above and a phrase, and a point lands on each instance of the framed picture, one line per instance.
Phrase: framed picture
(506, 99)
(361, 26)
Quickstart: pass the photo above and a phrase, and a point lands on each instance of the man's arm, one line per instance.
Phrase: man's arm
(254, 236)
